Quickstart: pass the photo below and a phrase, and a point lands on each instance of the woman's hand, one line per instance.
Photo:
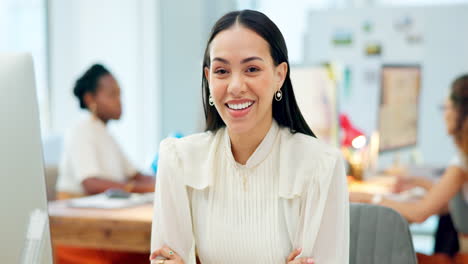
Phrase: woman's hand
(291, 258)
(170, 256)
(404, 182)
(360, 197)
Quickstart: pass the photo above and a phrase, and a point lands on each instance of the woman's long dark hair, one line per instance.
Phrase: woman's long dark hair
(459, 98)
(286, 112)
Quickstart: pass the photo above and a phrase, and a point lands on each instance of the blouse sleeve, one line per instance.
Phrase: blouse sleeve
(458, 161)
(324, 235)
(172, 221)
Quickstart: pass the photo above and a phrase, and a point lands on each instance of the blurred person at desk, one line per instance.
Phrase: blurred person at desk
(454, 181)
(93, 161)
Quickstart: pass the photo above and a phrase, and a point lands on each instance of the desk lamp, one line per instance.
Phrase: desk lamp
(352, 142)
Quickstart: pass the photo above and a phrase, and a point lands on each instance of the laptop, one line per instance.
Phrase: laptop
(24, 228)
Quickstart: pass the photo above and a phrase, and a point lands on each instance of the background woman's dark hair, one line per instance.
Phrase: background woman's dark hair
(285, 112)
(459, 98)
(89, 82)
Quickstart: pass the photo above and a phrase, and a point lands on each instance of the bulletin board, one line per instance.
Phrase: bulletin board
(362, 40)
(399, 106)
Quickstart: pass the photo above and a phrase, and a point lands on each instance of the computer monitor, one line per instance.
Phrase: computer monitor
(316, 96)
(24, 228)
(399, 106)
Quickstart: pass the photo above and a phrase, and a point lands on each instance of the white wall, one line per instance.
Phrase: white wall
(291, 19)
(185, 26)
(123, 35)
(23, 29)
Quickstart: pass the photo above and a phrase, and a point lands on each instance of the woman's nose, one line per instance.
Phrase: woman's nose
(236, 85)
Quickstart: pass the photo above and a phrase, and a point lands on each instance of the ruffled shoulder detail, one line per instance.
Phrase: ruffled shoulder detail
(304, 160)
(194, 156)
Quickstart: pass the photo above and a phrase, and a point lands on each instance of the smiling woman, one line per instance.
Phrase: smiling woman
(257, 186)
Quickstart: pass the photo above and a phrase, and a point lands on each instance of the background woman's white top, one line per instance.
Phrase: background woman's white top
(291, 193)
(91, 151)
(461, 162)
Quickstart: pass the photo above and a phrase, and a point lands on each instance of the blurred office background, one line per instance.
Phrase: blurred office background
(155, 48)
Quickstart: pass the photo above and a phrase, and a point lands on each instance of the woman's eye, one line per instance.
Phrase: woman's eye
(252, 69)
(221, 71)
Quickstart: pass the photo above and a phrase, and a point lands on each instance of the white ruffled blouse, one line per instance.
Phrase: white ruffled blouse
(291, 193)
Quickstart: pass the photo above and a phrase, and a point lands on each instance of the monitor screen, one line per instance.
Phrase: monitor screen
(316, 96)
(399, 106)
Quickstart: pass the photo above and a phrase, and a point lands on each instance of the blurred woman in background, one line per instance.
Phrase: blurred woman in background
(454, 179)
(93, 162)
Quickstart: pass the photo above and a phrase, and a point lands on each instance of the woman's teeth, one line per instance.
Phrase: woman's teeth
(240, 106)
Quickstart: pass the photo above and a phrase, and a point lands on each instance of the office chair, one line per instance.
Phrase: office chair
(379, 235)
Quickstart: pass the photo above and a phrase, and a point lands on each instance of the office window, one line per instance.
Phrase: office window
(23, 29)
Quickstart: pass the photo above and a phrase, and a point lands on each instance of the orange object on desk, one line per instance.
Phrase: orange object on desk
(74, 255)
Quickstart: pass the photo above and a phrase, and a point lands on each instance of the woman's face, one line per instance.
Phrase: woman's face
(243, 79)
(107, 99)
(450, 117)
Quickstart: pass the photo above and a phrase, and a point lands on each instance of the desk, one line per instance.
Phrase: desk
(126, 229)
(129, 229)
(381, 184)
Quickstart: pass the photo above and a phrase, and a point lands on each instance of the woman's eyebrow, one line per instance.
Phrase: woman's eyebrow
(251, 59)
(242, 62)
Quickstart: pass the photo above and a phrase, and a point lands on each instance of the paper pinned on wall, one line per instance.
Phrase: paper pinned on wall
(399, 105)
(415, 38)
(373, 49)
(367, 26)
(371, 75)
(342, 38)
(347, 81)
(403, 23)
